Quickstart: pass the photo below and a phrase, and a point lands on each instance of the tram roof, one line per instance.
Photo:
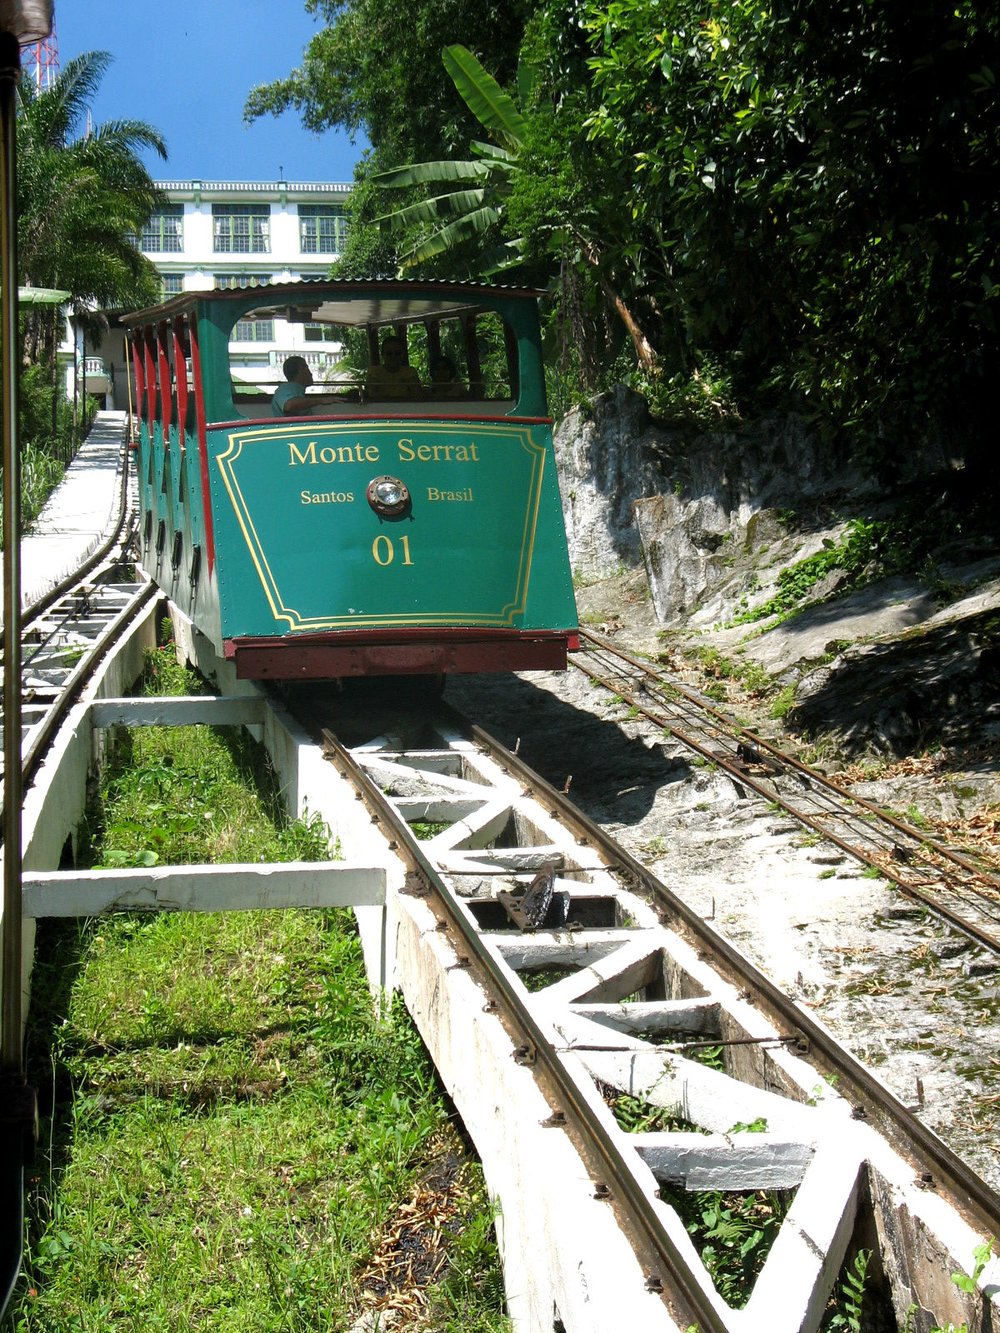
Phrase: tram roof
(361, 302)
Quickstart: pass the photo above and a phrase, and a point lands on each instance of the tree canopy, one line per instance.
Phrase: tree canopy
(467, 218)
(796, 203)
(375, 68)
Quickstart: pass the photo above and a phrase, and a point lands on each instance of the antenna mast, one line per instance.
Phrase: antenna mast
(40, 60)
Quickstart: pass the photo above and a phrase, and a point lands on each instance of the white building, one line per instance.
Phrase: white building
(234, 234)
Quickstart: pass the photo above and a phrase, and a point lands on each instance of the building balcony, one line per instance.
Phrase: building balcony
(96, 373)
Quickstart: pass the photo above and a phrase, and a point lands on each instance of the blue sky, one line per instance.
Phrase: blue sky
(187, 69)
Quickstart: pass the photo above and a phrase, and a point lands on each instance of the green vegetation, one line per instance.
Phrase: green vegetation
(850, 1306)
(965, 1282)
(41, 473)
(711, 1056)
(758, 1126)
(869, 550)
(751, 676)
(538, 978)
(736, 209)
(81, 201)
(425, 830)
(783, 703)
(732, 1232)
(83, 195)
(457, 217)
(49, 438)
(637, 1116)
(233, 1134)
(969, 1282)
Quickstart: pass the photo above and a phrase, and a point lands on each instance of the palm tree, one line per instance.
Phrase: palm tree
(82, 200)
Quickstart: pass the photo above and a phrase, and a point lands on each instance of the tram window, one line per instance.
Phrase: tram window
(456, 358)
(458, 355)
(261, 341)
(494, 377)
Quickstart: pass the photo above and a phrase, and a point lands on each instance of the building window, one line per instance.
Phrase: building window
(322, 229)
(241, 229)
(172, 283)
(254, 331)
(164, 231)
(231, 281)
(321, 333)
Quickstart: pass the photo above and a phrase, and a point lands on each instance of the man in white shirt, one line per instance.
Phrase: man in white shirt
(290, 398)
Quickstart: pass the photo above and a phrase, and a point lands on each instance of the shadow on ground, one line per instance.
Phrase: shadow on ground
(938, 686)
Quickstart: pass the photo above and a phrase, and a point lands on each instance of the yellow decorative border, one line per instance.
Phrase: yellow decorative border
(294, 619)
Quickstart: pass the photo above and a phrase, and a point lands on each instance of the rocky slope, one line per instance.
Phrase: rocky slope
(681, 542)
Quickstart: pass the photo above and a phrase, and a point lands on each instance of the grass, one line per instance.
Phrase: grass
(231, 1135)
(41, 473)
(783, 703)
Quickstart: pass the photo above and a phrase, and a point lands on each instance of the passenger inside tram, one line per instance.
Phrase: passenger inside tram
(444, 383)
(392, 376)
(290, 398)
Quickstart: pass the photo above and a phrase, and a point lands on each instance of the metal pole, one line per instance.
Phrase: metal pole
(10, 1031)
(18, 1108)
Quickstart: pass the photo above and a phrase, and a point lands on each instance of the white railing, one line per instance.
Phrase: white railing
(315, 358)
(258, 187)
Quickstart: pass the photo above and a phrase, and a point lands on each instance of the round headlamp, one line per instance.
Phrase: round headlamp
(388, 496)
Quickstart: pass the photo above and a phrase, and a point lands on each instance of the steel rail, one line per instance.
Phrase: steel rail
(769, 792)
(590, 1136)
(788, 761)
(120, 536)
(935, 1165)
(961, 923)
(886, 816)
(43, 733)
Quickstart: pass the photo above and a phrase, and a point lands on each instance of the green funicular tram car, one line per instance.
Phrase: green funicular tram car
(399, 515)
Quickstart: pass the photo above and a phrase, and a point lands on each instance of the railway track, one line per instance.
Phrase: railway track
(961, 888)
(609, 987)
(64, 646)
(555, 980)
(67, 631)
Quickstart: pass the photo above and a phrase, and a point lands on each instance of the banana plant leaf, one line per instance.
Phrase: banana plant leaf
(417, 173)
(501, 257)
(497, 161)
(487, 101)
(433, 210)
(465, 228)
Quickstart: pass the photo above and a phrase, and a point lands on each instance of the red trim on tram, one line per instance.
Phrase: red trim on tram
(417, 652)
(180, 379)
(149, 359)
(199, 412)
